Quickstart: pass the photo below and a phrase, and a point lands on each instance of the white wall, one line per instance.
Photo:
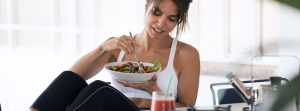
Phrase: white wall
(24, 75)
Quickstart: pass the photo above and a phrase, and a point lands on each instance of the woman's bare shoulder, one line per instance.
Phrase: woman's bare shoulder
(184, 49)
(186, 54)
(187, 60)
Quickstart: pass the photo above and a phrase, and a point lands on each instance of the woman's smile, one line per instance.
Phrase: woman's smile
(158, 30)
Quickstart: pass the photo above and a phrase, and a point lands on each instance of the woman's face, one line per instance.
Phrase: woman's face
(161, 22)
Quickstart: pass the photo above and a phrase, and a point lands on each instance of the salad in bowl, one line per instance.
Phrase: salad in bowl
(132, 71)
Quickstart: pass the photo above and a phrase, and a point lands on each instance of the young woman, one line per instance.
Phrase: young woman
(178, 59)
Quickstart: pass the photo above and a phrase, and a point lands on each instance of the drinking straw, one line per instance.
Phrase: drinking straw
(167, 91)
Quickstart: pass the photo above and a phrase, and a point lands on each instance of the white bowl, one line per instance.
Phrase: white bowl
(130, 77)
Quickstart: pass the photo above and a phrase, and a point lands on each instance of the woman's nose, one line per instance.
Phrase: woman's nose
(161, 21)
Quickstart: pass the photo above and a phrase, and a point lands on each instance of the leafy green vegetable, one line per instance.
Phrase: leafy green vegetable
(156, 65)
(130, 67)
(125, 69)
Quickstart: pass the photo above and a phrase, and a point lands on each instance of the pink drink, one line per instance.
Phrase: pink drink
(161, 102)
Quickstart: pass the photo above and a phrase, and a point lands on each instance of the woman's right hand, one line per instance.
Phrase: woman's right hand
(125, 43)
(148, 86)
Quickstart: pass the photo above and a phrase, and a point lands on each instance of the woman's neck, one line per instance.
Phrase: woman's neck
(149, 43)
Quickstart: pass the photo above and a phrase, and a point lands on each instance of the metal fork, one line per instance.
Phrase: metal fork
(140, 68)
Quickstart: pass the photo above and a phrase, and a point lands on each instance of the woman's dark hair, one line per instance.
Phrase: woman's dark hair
(182, 7)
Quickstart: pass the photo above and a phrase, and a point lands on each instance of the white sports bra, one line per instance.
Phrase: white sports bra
(163, 78)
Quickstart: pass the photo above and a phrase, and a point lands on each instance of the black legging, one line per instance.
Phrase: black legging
(71, 93)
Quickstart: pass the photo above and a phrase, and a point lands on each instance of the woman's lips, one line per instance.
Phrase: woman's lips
(157, 30)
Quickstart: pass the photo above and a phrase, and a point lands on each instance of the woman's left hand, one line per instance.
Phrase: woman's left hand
(148, 86)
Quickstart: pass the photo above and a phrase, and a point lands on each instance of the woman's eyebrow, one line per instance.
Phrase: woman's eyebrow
(158, 10)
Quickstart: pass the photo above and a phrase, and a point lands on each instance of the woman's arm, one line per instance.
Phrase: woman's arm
(93, 62)
(188, 78)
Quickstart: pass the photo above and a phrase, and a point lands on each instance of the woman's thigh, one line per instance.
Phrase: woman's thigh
(101, 96)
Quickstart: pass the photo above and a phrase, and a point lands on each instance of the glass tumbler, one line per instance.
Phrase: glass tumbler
(162, 102)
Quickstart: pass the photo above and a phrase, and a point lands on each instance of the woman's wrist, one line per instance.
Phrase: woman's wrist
(104, 46)
(156, 89)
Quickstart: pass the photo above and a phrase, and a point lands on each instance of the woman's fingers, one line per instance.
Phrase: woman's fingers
(154, 78)
(124, 43)
(148, 86)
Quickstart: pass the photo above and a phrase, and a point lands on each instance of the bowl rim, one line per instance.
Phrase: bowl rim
(147, 63)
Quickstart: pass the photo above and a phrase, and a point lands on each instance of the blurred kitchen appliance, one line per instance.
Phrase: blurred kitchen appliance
(270, 92)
